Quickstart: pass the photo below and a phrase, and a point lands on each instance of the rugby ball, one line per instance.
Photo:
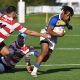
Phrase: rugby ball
(59, 29)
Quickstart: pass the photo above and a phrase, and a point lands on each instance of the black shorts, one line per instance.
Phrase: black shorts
(2, 44)
(43, 41)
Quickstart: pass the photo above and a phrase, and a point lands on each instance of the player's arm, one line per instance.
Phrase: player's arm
(19, 27)
(51, 25)
(34, 33)
(52, 33)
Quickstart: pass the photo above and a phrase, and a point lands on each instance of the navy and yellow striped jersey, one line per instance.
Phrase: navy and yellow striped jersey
(55, 21)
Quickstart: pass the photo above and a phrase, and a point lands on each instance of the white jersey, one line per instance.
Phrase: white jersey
(16, 54)
(7, 26)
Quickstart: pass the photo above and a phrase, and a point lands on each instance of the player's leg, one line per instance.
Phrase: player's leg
(47, 56)
(44, 52)
(2, 69)
(46, 49)
(27, 59)
(3, 49)
(28, 64)
(46, 45)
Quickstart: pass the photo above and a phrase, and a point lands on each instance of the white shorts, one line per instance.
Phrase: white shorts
(52, 41)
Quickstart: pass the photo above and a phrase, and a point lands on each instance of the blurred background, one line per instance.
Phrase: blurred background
(41, 6)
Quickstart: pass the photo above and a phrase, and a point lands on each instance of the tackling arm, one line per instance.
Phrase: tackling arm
(34, 33)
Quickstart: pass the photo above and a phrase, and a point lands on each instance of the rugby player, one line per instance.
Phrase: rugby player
(47, 45)
(17, 50)
(8, 25)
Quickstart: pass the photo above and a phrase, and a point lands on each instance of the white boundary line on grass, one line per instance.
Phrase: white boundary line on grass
(53, 65)
(67, 48)
(73, 35)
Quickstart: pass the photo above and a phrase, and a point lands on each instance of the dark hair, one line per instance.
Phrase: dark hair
(3, 10)
(68, 8)
(10, 9)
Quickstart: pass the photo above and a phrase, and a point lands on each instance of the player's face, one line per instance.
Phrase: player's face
(66, 16)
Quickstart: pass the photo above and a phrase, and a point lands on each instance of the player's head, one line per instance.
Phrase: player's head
(66, 12)
(11, 10)
(21, 39)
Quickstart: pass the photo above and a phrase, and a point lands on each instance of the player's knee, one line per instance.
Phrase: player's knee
(5, 51)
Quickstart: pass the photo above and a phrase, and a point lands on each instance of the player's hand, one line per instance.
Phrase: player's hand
(70, 27)
(46, 35)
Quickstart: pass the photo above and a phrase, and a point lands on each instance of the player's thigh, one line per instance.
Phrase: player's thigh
(44, 48)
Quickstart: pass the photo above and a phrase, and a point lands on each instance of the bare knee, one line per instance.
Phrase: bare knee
(4, 51)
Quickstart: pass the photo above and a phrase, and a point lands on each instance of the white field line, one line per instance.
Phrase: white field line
(67, 48)
(73, 35)
(53, 65)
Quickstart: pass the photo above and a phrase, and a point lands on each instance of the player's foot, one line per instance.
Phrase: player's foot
(33, 74)
(28, 67)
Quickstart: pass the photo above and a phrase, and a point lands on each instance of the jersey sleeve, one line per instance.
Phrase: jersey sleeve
(11, 48)
(52, 22)
(19, 27)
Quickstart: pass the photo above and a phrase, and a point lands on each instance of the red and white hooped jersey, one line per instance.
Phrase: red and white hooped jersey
(7, 26)
(17, 54)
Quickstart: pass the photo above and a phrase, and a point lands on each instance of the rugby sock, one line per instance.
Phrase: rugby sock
(36, 66)
(27, 59)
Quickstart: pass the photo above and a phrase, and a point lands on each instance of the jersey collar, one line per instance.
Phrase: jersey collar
(60, 16)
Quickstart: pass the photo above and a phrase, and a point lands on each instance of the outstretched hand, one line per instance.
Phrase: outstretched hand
(70, 27)
(46, 35)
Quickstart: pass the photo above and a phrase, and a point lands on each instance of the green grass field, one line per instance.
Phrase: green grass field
(64, 63)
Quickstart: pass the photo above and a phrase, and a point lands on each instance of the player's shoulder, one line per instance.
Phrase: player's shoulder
(8, 19)
(54, 18)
